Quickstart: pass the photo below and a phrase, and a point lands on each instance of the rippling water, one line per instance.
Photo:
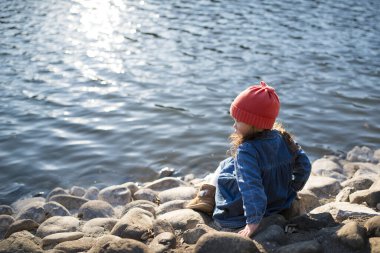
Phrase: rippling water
(100, 92)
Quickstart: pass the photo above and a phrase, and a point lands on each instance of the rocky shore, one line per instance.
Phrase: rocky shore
(341, 200)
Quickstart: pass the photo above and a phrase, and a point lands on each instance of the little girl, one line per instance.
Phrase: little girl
(264, 172)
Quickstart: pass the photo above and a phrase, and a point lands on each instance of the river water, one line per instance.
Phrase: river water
(100, 92)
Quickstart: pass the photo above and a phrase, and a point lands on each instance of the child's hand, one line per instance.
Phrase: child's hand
(248, 230)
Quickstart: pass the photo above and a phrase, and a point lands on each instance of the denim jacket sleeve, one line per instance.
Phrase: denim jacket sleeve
(250, 185)
(301, 170)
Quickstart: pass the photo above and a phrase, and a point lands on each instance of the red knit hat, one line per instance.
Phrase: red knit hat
(258, 106)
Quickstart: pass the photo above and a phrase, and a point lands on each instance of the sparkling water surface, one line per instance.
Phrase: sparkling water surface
(100, 92)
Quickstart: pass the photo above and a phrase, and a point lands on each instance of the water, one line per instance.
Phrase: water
(106, 91)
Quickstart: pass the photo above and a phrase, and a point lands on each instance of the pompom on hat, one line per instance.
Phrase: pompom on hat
(258, 106)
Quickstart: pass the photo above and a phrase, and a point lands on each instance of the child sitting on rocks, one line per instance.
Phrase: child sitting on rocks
(264, 172)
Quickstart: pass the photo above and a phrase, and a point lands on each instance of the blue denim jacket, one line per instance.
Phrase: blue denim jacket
(262, 179)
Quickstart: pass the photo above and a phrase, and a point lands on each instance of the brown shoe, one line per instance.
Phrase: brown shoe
(205, 199)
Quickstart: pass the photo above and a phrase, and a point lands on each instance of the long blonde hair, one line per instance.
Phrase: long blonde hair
(237, 139)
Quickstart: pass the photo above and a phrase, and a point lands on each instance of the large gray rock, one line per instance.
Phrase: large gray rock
(32, 211)
(96, 209)
(58, 224)
(19, 244)
(308, 199)
(81, 245)
(360, 154)
(50, 241)
(136, 224)
(20, 225)
(352, 235)
(191, 236)
(23, 203)
(146, 194)
(77, 191)
(55, 209)
(131, 186)
(312, 246)
(114, 244)
(91, 193)
(163, 242)
(165, 183)
(344, 210)
(217, 242)
(162, 226)
(99, 226)
(183, 219)
(184, 193)
(358, 183)
(367, 170)
(5, 222)
(323, 187)
(344, 194)
(143, 204)
(5, 209)
(326, 167)
(171, 206)
(273, 233)
(116, 195)
(68, 201)
(56, 191)
(370, 196)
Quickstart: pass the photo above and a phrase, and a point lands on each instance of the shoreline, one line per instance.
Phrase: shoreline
(341, 200)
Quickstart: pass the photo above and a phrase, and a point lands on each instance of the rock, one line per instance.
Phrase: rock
(360, 154)
(306, 222)
(165, 184)
(312, 246)
(308, 199)
(372, 226)
(376, 155)
(57, 224)
(191, 236)
(375, 185)
(374, 243)
(367, 170)
(183, 193)
(163, 242)
(171, 206)
(371, 197)
(116, 195)
(349, 169)
(77, 191)
(358, 183)
(55, 209)
(91, 193)
(344, 194)
(183, 219)
(114, 244)
(99, 226)
(5, 222)
(4, 209)
(344, 210)
(131, 186)
(24, 203)
(146, 194)
(143, 204)
(81, 245)
(51, 240)
(352, 235)
(273, 233)
(21, 242)
(323, 167)
(188, 178)
(323, 187)
(274, 219)
(56, 191)
(136, 224)
(166, 172)
(32, 211)
(68, 201)
(20, 225)
(161, 226)
(217, 242)
(95, 209)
